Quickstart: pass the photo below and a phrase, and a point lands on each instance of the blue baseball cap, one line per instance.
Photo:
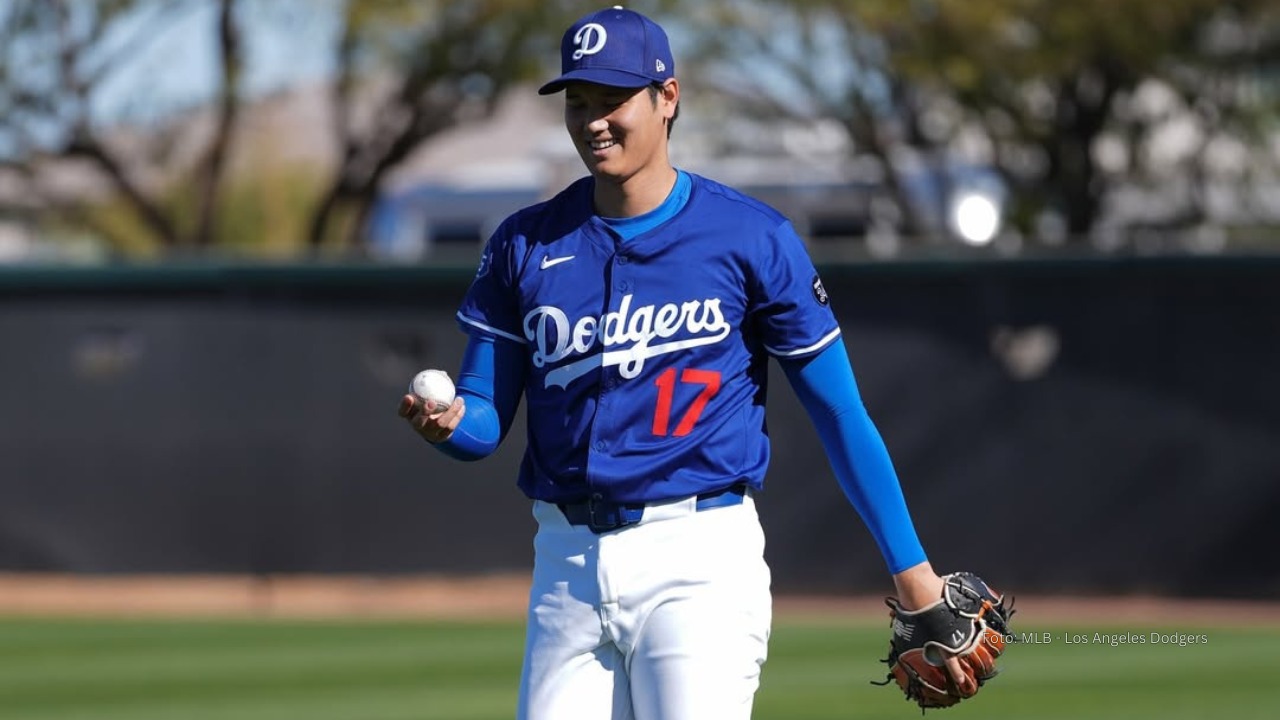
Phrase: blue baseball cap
(617, 47)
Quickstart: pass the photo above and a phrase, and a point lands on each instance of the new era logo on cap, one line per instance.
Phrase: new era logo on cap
(617, 47)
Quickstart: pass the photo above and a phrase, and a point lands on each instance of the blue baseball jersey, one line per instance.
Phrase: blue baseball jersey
(647, 358)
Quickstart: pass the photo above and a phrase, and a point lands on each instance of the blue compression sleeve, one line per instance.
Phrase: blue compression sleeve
(826, 387)
(490, 382)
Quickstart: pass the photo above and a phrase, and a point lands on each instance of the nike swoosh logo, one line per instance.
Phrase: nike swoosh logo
(549, 262)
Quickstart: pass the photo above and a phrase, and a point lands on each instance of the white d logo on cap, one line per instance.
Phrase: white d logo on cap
(590, 40)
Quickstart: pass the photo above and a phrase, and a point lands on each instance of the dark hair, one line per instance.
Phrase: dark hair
(653, 96)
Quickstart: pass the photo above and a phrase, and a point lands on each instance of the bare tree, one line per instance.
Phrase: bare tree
(58, 55)
(437, 64)
(1042, 81)
(403, 71)
(817, 61)
(210, 171)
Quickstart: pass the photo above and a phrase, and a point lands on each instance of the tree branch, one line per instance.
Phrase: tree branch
(210, 174)
(86, 146)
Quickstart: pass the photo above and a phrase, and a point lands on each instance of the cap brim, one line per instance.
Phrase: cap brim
(599, 76)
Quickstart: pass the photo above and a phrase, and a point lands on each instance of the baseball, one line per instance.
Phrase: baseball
(433, 385)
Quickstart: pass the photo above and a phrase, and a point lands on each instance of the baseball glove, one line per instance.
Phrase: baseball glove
(970, 621)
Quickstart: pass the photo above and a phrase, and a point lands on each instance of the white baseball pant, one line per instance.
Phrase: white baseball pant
(667, 619)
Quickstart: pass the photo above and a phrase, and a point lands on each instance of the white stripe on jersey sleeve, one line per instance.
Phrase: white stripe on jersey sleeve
(488, 329)
(816, 346)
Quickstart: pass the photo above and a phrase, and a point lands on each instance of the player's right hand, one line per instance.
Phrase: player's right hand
(434, 423)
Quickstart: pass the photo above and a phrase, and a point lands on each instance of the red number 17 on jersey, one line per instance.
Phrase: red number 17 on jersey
(666, 382)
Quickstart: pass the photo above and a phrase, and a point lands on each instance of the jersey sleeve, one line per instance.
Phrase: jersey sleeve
(490, 304)
(791, 309)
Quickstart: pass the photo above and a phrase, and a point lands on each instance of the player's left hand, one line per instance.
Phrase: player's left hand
(943, 652)
(435, 423)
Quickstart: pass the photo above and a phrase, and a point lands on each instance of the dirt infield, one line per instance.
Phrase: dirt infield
(493, 597)
(501, 597)
(255, 596)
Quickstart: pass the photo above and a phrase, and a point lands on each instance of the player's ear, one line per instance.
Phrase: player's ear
(669, 97)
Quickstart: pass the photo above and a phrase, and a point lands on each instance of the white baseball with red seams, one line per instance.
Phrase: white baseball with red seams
(433, 385)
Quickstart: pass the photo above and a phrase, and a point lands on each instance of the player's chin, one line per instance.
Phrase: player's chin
(607, 161)
(607, 172)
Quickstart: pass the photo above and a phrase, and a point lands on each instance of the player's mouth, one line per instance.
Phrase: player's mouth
(599, 147)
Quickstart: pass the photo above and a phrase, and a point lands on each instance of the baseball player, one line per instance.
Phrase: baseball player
(636, 312)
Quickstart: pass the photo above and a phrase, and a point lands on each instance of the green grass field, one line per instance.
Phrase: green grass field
(364, 670)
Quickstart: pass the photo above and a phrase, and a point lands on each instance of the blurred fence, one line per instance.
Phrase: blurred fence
(1089, 426)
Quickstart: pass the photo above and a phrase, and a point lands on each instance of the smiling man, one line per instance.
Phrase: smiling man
(636, 313)
(621, 134)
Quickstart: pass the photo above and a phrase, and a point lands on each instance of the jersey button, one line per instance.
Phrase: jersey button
(599, 445)
(624, 286)
(622, 260)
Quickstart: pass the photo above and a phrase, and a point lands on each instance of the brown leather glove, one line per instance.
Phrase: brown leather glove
(970, 621)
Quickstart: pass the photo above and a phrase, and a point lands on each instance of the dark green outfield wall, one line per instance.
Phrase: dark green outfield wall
(1109, 426)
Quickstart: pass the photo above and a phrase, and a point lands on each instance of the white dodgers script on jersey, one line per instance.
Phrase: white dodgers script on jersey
(554, 337)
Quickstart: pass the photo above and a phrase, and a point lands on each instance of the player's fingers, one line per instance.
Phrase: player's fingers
(441, 411)
(407, 404)
(429, 430)
(439, 426)
(424, 423)
(960, 677)
(432, 431)
(430, 415)
(454, 415)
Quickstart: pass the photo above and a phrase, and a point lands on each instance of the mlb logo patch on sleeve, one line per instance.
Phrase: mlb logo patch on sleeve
(819, 292)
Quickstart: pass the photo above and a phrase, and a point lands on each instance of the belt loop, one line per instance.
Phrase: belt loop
(599, 520)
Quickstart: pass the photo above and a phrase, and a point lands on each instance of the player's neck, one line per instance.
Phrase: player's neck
(636, 195)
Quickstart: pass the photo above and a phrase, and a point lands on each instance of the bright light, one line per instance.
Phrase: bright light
(975, 218)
